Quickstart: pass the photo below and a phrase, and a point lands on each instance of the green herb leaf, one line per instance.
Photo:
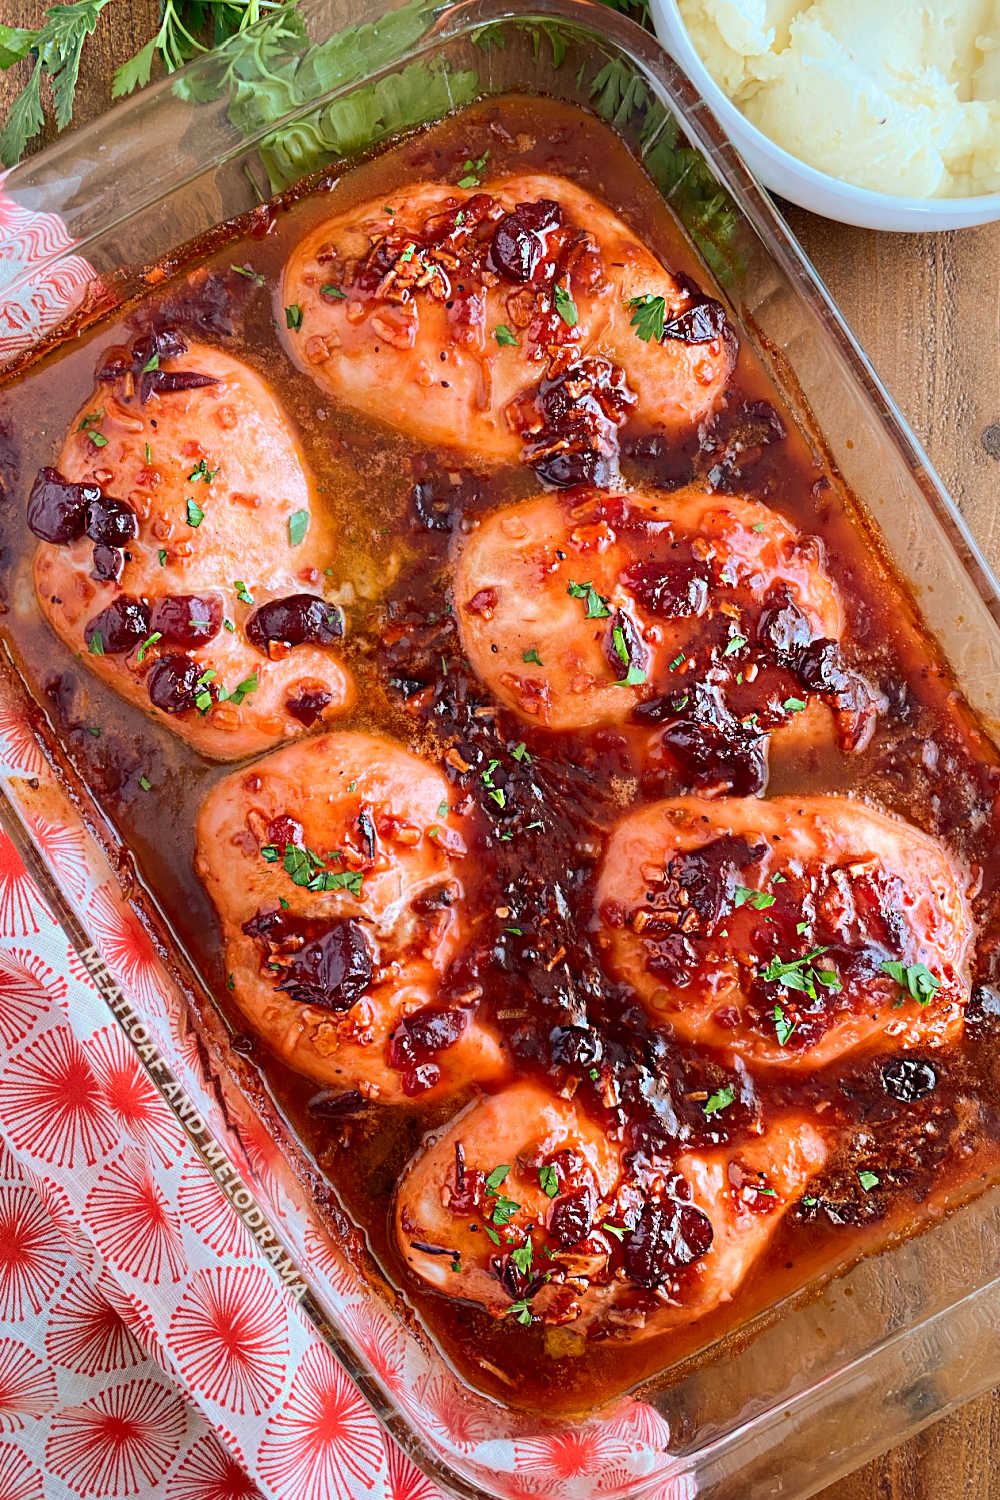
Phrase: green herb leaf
(96, 644)
(150, 640)
(201, 469)
(504, 1210)
(195, 514)
(161, 553)
(868, 1180)
(504, 337)
(250, 274)
(145, 783)
(244, 689)
(532, 656)
(522, 1257)
(794, 705)
(497, 1178)
(58, 45)
(242, 592)
(799, 974)
(720, 1100)
(521, 1310)
(648, 316)
(598, 608)
(565, 306)
(618, 1230)
(916, 979)
(548, 1181)
(745, 896)
(329, 290)
(783, 1026)
(298, 525)
(293, 316)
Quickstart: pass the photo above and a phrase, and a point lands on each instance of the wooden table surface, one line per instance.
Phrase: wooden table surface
(927, 309)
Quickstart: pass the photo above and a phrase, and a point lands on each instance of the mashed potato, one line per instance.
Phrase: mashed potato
(902, 96)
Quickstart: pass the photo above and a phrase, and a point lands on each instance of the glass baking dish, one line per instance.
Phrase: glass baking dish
(825, 1381)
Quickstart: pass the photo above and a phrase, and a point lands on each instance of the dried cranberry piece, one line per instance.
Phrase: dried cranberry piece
(122, 625)
(108, 563)
(57, 509)
(417, 1039)
(187, 619)
(666, 1236)
(708, 876)
(710, 755)
(308, 706)
(515, 249)
(784, 629)
(295, 620)
(574, 1046)
(334, 970)
(110, 521)
(701, 324)
(675, 589)
(173, 683)
(543, 214)
(570, 467)
(571, 1217)
(908, 1078)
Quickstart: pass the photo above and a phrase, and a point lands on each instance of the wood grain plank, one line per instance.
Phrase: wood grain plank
(927, 309)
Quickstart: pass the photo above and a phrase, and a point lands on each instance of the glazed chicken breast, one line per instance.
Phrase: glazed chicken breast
(181, 555)
(706, 620)
(499, 319)
(786, 932)
(336, 866)
(524, 1206)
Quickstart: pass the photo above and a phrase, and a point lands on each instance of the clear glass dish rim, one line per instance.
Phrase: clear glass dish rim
(670, 86)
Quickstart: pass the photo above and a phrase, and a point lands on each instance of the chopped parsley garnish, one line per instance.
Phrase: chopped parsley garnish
(504, 1210)
(678, 661)
(565, 306)
(472, 171)
(230, 982)
(269, 854)
(329, 290)
(491, 1233)
(497, 1178)
(548, 1181)
(250, 275)
(916, 979)
(868, 1180)
(244, 688)
(793, 705)
(202, 471)
(88, 425)
(520, 753)
(799, 974)
(195, 514)
(443, 810)
(618, 1230)
(227, 624)
(523, 1256)
(522, 1309)
(497, 793)
(152, 363)
(305, 868)
(242, 592)
(532, 655)
(298, 525)
(504, 337)
(150, 640)
(648, 317)
(735, 643)
(145, 783)
(96, 646)
(745, 896)
(161, 553)
(149, 453)
(597, 606)
(783, 1026)
(720, 1100)
(759, 526)
(293, 316)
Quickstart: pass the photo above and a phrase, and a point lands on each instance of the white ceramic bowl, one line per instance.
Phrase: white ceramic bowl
(783, 173)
